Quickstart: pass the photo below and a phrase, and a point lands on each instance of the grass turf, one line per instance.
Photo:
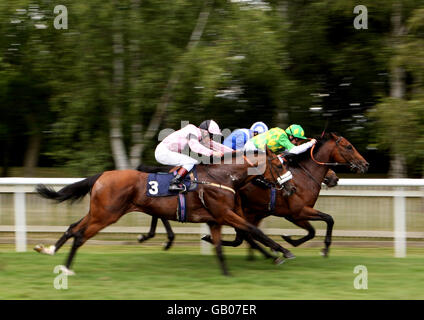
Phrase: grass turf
(137, 272)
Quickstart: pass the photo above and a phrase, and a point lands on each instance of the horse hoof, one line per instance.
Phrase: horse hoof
(141, 238)
(167, 245)
(66, 271)
(207, 238)
(289, 255)
(39, 248)
(43, 250)
(324, 253)
(279, 261)
(287, 238)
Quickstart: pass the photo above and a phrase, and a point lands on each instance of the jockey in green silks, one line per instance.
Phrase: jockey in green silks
(279, 140)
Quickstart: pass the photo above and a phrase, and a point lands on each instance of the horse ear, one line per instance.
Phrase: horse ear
(334, 136)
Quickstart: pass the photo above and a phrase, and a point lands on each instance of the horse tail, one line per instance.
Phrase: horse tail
(73, 192)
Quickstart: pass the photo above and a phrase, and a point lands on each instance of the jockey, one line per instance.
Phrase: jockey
(238, 138)
(198, 139)
(279, 140)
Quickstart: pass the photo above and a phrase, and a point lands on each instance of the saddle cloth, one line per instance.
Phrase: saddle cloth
(158, 183)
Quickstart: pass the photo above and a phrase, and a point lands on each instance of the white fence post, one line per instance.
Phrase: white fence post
(20, 222)
(399, 211)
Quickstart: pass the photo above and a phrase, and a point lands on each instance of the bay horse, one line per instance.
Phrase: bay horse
(330, 180)
(308, 174)
(117, 192)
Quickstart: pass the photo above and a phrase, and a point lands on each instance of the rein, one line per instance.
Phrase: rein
(309, 174)
(328, 163)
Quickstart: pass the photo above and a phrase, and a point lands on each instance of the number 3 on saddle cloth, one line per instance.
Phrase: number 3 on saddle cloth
(158, 184)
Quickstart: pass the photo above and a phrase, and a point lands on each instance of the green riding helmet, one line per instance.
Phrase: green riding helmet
(296, 131)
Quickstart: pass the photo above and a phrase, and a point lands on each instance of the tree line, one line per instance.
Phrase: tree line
(95, 96)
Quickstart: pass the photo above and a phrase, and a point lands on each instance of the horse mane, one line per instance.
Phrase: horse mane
(294, 159)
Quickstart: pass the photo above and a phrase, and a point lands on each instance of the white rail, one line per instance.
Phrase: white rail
(400, 190)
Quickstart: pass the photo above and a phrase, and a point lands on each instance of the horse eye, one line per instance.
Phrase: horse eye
(349, 147)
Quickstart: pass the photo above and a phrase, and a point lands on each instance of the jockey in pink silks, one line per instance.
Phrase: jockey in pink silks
(199, 140)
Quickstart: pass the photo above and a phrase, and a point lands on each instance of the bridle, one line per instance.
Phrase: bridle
(347, 163)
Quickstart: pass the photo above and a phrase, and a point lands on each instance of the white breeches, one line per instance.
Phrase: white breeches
(165, 156)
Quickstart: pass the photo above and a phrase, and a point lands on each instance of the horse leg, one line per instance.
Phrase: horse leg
(235, 243)
(239, 240)
(169, 232)
(328, 234)
(234, 220)
(308, 213)
(152, 231)
(303, 224)
(88, 227)
(216, 238)
(62, 240)
(254, 245)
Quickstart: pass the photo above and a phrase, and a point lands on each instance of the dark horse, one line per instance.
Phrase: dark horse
(330, 180)
(308, 174)
(115, 193)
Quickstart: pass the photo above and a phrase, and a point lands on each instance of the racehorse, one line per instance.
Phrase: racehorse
(115, 193)
(330, 180)
(308, 174)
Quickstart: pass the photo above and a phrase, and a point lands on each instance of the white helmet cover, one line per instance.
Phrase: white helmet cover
(259, 127)
(211, 126)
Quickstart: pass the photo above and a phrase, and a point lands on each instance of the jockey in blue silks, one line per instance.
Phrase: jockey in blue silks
(238, 138)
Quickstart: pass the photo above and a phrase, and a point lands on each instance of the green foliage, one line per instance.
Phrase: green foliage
(400, 122)
(280, 62)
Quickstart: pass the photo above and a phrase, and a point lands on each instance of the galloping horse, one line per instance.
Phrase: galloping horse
(308, 174)
(115, 193)
(330, 180)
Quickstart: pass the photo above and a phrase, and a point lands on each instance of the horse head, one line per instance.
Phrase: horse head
(343, 152)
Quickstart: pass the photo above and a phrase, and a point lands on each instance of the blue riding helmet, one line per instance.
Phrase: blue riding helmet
(259, 127)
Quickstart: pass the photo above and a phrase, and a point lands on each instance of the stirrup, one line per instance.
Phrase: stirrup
(181, 187)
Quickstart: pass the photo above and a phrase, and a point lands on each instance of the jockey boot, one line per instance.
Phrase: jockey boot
(176, 183)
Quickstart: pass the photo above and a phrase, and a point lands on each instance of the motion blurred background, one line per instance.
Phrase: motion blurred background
(94, 96)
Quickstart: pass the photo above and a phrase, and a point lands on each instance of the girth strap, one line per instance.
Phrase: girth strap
(271, 205)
